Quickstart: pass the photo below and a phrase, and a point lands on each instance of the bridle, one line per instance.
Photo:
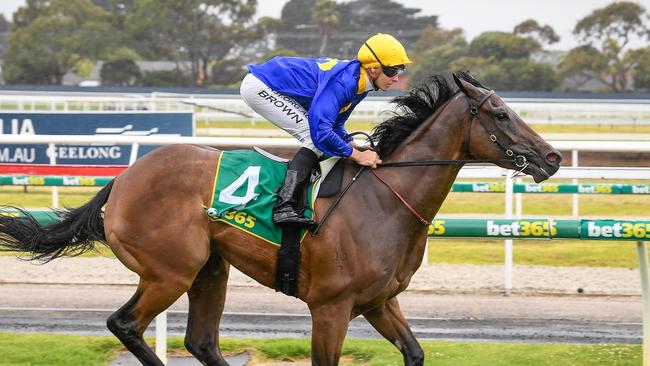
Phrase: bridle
(519, 161)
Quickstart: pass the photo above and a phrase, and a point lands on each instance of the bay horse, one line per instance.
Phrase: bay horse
(362, 257)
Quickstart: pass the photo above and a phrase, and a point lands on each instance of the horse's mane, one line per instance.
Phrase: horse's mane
(414, 108)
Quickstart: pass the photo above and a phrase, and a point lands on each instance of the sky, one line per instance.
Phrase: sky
(474, 16)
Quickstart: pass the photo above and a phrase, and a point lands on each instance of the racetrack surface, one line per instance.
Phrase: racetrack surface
(261, 313)
(451, 302)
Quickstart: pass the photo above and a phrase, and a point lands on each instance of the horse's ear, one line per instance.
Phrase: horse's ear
(466, 87)
(458, 82)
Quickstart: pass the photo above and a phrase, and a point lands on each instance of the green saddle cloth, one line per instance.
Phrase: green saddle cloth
(245, 186)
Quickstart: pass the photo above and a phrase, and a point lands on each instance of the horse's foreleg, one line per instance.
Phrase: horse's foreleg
(389, 321)
(207, 297)
(329, 327)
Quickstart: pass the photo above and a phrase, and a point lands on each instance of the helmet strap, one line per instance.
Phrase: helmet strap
(374, 54)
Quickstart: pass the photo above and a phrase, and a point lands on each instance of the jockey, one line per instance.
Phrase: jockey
(311, 99)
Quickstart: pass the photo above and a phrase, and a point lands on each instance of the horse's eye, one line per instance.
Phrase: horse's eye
(502, 116)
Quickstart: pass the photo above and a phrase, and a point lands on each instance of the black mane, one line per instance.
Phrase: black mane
(414, 108)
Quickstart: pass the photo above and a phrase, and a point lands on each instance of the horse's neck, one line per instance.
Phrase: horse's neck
(440, 138)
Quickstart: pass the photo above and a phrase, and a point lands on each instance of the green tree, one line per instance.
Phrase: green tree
(297, 33)
(526, 74)
(432, 37)
(358, 20)
(488, 70)
(4, 34)
(642, 68)
(437, 60)
(606, 33)
(502, 45)
(199, 31)
(582, 63)
(326, 17)
(543, 34)
(501, 60)
(166, 78)
(281, 52)
(228, 72)
(620, 20)
(120, 72)
(118, 10)
(255, 50)
(50, 37)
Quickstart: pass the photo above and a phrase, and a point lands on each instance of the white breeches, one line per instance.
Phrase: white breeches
(279, 109)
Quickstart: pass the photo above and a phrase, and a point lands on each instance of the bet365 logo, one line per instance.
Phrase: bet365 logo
(624, 230)
(521, 228)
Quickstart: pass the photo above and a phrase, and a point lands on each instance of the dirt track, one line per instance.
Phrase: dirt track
(445, 279)
(448, 291)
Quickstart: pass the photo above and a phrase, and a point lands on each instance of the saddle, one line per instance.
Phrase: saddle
(330, 170)
(288, 268)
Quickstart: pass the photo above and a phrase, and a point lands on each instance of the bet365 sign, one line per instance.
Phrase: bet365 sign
(104, 124)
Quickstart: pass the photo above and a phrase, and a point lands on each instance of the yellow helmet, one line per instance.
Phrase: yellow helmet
(382, 50)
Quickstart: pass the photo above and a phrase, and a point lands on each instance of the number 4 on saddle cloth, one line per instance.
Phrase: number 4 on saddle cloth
(245, 186)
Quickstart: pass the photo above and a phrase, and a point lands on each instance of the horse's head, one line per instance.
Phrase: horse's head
(496, 132)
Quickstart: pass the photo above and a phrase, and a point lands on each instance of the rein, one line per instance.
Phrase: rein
(519, 161)
(442, 162)
(399, 196)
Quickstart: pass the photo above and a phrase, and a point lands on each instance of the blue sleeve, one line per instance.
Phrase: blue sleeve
(339, 127)
(341, 132)
(323, 116)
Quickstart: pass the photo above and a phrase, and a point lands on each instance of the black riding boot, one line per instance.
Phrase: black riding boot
(286, 210)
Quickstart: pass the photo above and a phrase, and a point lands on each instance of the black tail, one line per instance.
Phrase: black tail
(75, 232)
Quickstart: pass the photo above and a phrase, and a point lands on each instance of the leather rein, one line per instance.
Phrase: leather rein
(519, 161)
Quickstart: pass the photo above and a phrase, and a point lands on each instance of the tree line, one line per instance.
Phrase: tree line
(210, 42)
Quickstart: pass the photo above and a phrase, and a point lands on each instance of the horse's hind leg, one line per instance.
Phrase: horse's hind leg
(388, 320)
(131, 320)
(165, 274)
(207, 297)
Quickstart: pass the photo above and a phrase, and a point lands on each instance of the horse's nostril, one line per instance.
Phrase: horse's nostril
(553, 158)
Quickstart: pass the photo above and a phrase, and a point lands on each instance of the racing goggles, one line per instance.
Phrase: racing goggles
(389, 71)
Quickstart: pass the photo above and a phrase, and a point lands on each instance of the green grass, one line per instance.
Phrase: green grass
(39, 197)
(71, 350)
(559, 253)
(56, 350)
(548, 204)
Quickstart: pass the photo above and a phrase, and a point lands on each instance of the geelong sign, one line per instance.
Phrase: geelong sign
(116, 124)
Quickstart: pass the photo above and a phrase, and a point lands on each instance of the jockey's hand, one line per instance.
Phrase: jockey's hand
(361, 147)
(366, 158)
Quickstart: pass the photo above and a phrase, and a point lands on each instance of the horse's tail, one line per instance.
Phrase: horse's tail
(75, 232)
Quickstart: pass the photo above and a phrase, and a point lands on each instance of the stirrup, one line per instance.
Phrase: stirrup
(284, 215)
